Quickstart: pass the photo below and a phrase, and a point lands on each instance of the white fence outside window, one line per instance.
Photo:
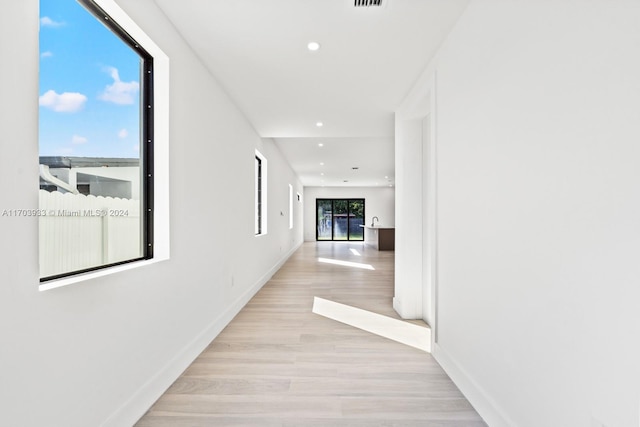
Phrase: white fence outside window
(79, 232)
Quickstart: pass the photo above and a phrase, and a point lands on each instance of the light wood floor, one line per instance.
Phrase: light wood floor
(278, 364)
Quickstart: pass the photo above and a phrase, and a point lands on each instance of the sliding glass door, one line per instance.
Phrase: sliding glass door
(324, 220)
(356, 210)
(339, 219)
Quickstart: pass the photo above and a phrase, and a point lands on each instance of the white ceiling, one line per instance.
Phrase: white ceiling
(368, 60)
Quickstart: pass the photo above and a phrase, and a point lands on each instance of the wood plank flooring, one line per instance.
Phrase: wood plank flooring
(278, 364)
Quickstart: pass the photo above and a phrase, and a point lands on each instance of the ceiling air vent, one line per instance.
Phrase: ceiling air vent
(367, 3)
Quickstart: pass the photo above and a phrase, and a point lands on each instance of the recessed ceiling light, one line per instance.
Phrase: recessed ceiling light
(322, 173)
(321, 163)
(321, 145)
(313, 46)
(386, 177)
(319, 124)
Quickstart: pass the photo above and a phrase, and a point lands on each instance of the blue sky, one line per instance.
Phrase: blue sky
(89, 86)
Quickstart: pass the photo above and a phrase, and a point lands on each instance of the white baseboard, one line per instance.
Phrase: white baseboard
(476, 395)
(132, 410)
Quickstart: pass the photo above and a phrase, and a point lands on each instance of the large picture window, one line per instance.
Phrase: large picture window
(95, 141)
(339, 219)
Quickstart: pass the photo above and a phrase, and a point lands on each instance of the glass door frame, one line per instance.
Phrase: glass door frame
(323, 200)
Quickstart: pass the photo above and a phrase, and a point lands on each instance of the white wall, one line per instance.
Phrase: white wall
(538, 210)
(100, 352)
(379, 201)
(407, 300)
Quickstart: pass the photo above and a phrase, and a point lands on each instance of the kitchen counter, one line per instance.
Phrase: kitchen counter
(380, 237)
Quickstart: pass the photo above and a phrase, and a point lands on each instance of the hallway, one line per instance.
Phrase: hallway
(278, 364)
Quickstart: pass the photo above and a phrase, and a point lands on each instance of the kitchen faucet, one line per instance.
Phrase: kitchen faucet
(376, 218)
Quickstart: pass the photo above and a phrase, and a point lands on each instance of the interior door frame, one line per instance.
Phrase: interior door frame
(417, 290)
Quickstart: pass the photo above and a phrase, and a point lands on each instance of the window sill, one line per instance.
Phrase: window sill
(66, 281)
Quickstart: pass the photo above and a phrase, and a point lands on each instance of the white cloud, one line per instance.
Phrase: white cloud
(136, 148)
(77, 139)
(121, 93)
(123, 134)
(46, 54)
(67, 102)
(45, 21)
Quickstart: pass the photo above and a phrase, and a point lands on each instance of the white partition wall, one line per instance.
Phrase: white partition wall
(537, 106)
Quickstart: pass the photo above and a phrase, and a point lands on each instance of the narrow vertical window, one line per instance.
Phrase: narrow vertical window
(290, 206)
(260, 194)
(95, 141)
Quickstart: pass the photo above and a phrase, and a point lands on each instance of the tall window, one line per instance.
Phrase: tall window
(339, 219)
(95, 141)
(260, 194)
(290, 206)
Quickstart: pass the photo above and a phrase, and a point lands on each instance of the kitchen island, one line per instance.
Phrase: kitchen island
(379, 237)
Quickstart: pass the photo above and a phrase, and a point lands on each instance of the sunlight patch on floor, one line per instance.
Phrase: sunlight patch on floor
(393, 329)
(346, 263)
